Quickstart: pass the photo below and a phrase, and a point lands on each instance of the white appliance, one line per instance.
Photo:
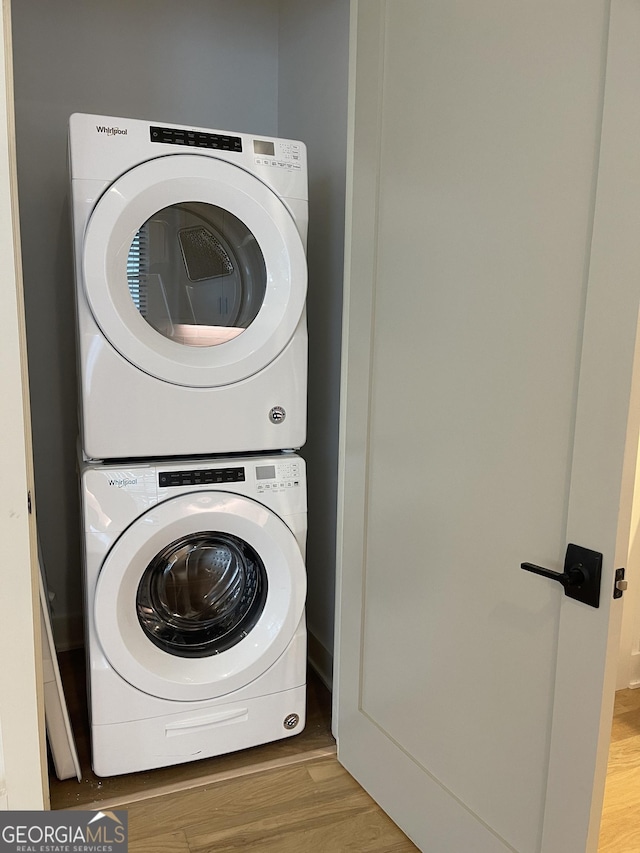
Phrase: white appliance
(191, 282)
(195, 590)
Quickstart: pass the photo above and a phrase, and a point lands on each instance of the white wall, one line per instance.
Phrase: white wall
(313, 106)
(4, 800)
(209, 63)
(22, 764)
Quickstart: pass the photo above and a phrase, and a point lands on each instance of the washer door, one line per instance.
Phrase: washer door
(200, 596)
(194, 270)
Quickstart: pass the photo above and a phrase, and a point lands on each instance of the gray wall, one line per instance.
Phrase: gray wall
(147, 59)
(314, 45)
(252, 65)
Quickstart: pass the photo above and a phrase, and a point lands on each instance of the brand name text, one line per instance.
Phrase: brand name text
(112, 131)
(121, 483)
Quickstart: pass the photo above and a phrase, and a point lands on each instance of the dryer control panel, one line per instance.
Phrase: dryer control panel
(195, 138)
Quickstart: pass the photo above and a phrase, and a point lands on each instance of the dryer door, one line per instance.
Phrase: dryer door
(194, 270)
(200, 596)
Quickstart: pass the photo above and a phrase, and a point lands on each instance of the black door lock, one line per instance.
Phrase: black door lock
(581, 576)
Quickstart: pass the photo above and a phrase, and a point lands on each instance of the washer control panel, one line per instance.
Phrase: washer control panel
(200, 477)
(278, 477)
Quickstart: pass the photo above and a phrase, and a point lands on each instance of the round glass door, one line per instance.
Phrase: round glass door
(199, 596)
(202, 594)
(196, 274)
(194, 270)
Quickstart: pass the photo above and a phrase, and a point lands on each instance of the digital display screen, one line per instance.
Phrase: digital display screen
(266, 472)
(261, 146)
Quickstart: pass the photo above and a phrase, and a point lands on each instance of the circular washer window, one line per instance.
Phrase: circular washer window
(202, 594)
(197, 572)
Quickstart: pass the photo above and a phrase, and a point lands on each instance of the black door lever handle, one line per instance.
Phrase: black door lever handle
(581, 576)
(576, 576)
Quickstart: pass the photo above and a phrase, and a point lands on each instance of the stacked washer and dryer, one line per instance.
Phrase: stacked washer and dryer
(191, 284)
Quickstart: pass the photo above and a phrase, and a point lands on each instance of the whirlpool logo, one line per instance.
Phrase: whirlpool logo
(112, 131)
(123, 482)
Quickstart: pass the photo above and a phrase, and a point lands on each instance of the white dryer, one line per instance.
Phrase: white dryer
(195, 590)
(191, 282)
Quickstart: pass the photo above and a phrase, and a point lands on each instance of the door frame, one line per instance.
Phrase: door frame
(23, 765)
(615, 251)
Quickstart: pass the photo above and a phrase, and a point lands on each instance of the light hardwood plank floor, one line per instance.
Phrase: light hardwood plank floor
(317, 807)
(91, 791)
(280, 798)
(620, 828)
(307, 808)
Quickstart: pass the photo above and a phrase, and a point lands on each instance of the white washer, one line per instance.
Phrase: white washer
(195, 587)
(191, 282)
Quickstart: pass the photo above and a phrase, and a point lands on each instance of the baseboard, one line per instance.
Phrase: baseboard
(321, 659)
(634, 671)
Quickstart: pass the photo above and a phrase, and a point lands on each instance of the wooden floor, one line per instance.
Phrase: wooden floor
(314, 741)
(288, 797)
(620, 829)
(316, 807)
(293, 796)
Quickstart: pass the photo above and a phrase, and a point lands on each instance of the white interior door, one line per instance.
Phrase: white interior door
(493, 280)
